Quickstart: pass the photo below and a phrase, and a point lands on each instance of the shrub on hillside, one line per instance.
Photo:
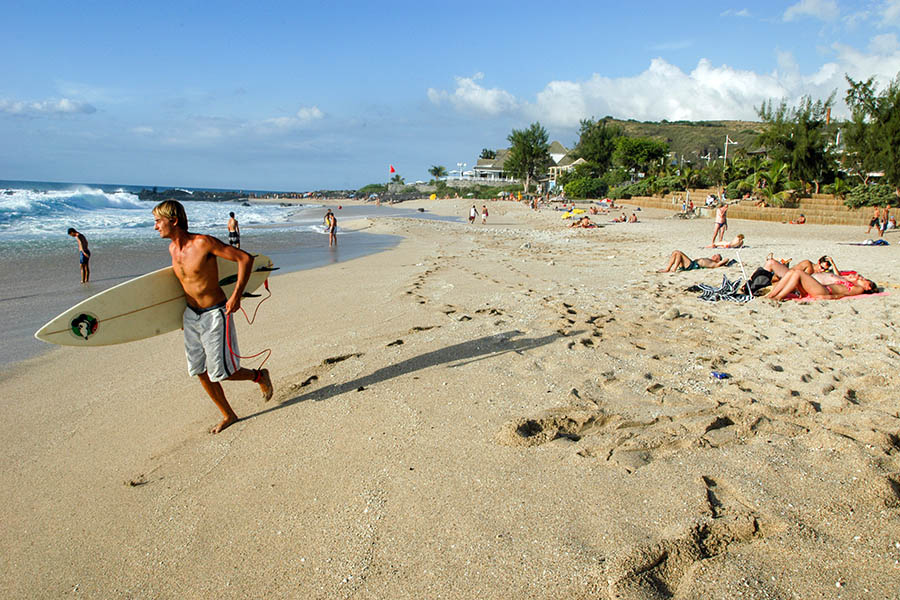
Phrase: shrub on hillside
(879, 194)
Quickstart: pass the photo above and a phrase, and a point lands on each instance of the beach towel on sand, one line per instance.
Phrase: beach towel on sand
(729, 291)
(867, 243)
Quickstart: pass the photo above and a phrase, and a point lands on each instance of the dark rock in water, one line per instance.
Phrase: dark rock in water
(421, 210)
(245, 204)
(181, 195)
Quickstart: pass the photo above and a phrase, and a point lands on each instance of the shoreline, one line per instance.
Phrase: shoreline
(52, 271)
(508, 410)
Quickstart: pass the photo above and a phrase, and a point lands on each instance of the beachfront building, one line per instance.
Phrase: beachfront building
(491, 169)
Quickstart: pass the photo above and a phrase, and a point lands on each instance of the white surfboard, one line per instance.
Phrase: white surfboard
(139, 308)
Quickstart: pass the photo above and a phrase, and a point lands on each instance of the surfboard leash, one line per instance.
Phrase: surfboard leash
(250, 320)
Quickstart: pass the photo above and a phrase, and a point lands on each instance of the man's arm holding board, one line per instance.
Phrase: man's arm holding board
(245, 266)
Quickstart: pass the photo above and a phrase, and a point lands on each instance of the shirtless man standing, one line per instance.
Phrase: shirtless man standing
(84, 258)
(210, 342)
(721, 222)
(679, 261)
(234, 232)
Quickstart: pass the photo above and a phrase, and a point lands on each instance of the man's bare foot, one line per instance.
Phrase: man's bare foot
(265, 384)
(226, 422)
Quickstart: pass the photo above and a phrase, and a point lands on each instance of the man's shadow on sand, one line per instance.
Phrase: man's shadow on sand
(462, 354)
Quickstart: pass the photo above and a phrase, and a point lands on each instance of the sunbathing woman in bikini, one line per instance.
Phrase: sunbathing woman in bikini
(806, 286)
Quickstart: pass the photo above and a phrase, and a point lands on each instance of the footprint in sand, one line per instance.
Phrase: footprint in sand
(666, 568)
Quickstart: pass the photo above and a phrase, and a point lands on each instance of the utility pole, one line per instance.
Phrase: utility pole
(728, 142)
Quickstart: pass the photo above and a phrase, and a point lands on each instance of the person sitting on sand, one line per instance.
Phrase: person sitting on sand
(735, 243)
(621, 219)
(825, 264)
(824, 271)
(800, 221)
(679, 261)
(806, 286)
(632, 218)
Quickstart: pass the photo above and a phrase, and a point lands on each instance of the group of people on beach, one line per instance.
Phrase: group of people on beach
(473, 214)
(882, 221)
(807, 280)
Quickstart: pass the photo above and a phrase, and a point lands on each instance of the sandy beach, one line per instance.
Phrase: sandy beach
(509, 410)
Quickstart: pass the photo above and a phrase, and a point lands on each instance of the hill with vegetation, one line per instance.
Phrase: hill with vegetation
(693, 139)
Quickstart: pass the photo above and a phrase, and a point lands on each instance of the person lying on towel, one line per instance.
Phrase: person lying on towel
(679, 261)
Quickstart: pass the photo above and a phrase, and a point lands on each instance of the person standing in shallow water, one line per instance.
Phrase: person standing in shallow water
(210, 340)
(331, 226)
(84, 258)
(234, 231)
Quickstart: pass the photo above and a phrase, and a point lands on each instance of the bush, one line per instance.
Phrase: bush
(643, 187)
(372, 188)
(735, 189)
(586, 187)
(879, 194)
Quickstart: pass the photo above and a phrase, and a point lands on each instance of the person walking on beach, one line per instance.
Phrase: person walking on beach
(472, 214)
(84, 258)
(234, 232)
(210, 339)
(331, 226)
(721, 222)
(876, 220)
(885, 217)
(484, 214)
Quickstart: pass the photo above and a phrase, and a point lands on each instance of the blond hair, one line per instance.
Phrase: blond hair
(173, 210)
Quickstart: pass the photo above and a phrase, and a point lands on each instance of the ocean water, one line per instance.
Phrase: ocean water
(39, 272)
(34, 211)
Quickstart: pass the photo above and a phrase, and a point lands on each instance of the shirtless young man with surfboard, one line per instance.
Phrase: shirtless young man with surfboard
(210, 342)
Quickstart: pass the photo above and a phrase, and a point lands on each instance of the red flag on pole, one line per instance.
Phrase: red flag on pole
(393, 170)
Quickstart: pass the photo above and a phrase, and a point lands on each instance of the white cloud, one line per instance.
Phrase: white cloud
(60, 107)
(826, 10)
(663, 91)
(304, 116)
(469, 96)
(735, 13)
(142, 130)
(707, 92)
(890, 12)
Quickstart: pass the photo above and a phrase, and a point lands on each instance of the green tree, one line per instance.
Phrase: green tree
(777, 187)
(640, 154)
(529, 153)
(798, 137)
(873, 134)
(398, 179)
(487, 153)
(597, 143)
(437, 171)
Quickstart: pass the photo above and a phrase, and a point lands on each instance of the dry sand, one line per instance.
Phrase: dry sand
(498, 411)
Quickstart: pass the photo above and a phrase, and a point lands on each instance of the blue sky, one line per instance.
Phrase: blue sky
(310, 95)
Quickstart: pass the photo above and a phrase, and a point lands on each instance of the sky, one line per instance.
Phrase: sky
(305, 95)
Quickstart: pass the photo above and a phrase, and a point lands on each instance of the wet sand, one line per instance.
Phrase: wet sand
(512, 410)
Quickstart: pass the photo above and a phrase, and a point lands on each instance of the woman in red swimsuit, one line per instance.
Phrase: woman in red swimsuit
(807, 287)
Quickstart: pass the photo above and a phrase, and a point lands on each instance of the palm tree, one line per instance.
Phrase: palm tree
(437, 171)
(398, 179)
(839, 189)
(777, 188)
(690, 178)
